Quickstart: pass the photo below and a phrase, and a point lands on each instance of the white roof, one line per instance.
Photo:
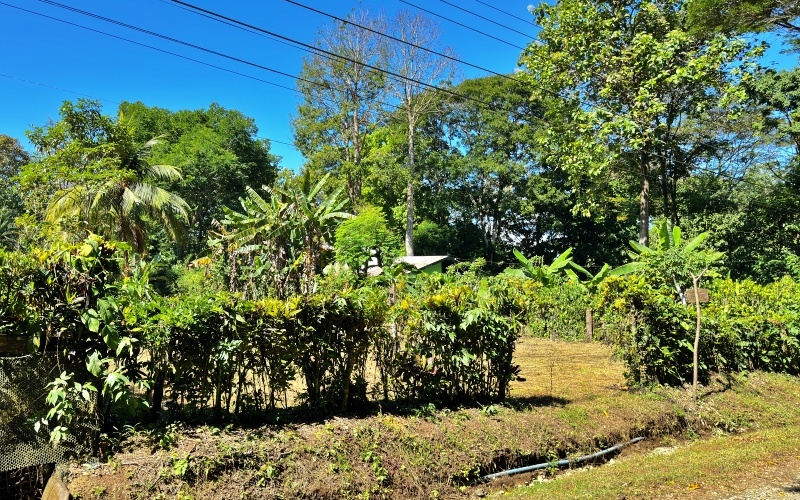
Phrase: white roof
(422, 261)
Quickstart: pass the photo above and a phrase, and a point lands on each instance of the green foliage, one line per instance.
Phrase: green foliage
(743, 16)
(547, 274)
(673, 263)
(365, 236)
(618, 80)
(218, 153)
(755, 327)
(457, 337)
(557, 311)
(746, 326)
(650, 328)
(90, 175)
(20, 276)
(281, 240)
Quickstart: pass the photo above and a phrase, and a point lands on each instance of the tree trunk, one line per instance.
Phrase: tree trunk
(695, 281)
(354, 188)
(644, 201)
(409, 239)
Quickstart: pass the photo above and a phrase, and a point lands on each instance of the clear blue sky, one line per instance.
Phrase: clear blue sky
(44, 61)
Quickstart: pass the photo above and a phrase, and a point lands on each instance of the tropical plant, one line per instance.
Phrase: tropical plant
(119, 205)
(536, 269)
(286, 235)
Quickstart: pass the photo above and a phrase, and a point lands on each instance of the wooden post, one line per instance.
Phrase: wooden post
(589, 324)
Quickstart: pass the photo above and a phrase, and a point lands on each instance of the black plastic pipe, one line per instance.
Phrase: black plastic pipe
(561, 463)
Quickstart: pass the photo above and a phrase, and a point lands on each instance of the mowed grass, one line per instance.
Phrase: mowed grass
(572, 371)
(717, 467)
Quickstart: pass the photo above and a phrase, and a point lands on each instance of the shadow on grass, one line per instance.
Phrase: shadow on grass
(530, 402)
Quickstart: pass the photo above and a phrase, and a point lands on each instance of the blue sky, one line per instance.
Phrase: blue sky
(45, 61)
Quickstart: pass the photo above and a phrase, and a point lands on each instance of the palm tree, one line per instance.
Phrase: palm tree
(122, 198)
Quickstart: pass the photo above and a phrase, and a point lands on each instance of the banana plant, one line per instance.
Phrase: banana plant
(536, 269)
(594, 280)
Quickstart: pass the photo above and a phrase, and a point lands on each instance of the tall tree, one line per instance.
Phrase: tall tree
(743, 16)
(218, 153)
(342, 98)
(419, 69)
(620, 80)
(492, 130)
(12, 157)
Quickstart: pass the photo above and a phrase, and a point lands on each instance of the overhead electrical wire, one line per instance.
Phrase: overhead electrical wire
(484, 18)
(394, 38)
(462, 25)
(149, 47)
(238, 60)
(191, 45)
(31, 82)
(227, 20)
(242, 28)
(171, 39)
(204, 63)
(332, 54)
(506, 13)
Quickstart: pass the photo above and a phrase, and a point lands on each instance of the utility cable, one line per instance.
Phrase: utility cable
(148, 46)
(159, 50)
(198, 47)
(174, 40)
(485, 18)
(506, 13)
(460, 24)
(332, 54)
(394, 38)
(31, 82)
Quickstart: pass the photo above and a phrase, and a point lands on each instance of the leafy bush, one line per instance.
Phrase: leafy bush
(458, 337)
(555, 312)
(650, 327)
(745, 326)
(755, 327)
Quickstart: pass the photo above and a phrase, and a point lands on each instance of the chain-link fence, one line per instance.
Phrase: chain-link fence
(23, 389)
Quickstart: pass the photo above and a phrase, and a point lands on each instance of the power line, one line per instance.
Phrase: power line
(174, 40)
(506, 13)
(382, 114)
(149, 47)
(333, 54)
(440, 54)
(198, 47)
(460, 24)
(31, 82)
(242, 28)
(485, 18)
(142, 45)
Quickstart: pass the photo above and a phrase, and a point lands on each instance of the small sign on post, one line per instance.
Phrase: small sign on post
(702, 295)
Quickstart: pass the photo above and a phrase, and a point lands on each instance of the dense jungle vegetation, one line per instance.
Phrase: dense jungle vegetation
(640, 153)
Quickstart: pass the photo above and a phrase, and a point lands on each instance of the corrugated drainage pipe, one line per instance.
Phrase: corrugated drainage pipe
(561, 463)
